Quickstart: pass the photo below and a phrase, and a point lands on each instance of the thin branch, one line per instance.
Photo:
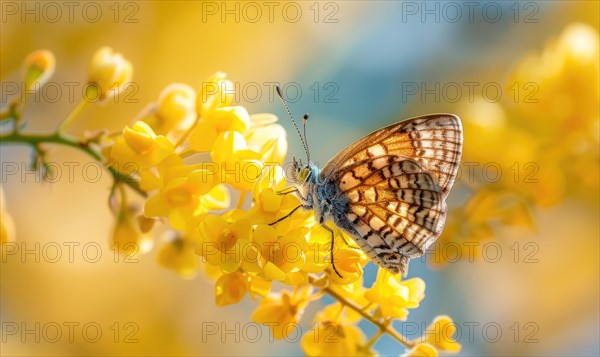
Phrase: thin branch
(61, 139)
(382, 326)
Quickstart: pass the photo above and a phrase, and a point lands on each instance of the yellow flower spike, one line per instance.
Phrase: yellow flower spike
(282, 311)
(178, 255)
(127, 237)
(395, 296)
(330, 338)
(215, 92)
(108, 74)
(38, 67)
(349, 263)
(175, 110)
(7, 225)
(421, 350)
(230, 289)
(439, 334)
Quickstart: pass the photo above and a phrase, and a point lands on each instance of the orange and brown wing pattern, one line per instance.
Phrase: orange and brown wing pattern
(434, 141)
(396, 181)
(396, 209)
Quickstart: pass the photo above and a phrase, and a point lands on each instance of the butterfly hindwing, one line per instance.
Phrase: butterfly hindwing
(395, 208)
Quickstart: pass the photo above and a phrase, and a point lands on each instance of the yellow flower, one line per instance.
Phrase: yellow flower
(239, 166)
(282, 311)
(141, 147)
(185, 196)
(38, 67)
(421, 350)
(216, 92)
(395, 296)
(109, 72)
(349, 263)
(439, 334)
(218, 121)
(7, 226)
(178, 255)
(175, 110)
(278, 257)
(127, 237)
(270, 206)
(230, 288)
(223, 242)
(267, 138)
(318, 254)
(328, 338)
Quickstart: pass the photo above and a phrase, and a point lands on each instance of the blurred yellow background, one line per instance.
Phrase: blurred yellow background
(359, 65)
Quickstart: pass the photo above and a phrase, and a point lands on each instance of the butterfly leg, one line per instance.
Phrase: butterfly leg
(348, 244)
(285, 192)
(331, 250)
(289, 214)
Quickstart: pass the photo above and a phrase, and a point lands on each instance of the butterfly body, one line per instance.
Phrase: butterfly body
(388, 189)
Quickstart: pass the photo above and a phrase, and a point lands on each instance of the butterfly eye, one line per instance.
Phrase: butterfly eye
(303, 174)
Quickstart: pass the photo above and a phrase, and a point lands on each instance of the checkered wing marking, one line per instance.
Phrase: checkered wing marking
(396, 180)
(434, 141)
(396, 208)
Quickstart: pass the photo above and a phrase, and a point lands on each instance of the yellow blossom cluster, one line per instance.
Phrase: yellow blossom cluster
(542, 146)
(190, 155)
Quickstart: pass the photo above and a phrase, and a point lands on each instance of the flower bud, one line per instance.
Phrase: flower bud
(176, 109)
(39, 67)
(108, 74)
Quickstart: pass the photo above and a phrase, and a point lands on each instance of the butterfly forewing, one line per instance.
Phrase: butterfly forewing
(396, 181)
(434, 141)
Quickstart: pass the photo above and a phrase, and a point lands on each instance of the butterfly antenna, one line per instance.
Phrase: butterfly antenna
(304, 121)
(293, 121)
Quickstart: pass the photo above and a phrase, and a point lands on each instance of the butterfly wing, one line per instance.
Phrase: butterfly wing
(396, 181)
(434, 141)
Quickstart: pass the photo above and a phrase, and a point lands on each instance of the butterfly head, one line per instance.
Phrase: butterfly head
(304, 174)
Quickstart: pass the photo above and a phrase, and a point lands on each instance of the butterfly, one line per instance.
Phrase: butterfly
(387, 190)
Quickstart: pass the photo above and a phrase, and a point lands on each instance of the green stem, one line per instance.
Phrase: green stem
(61, 139)
(76, 111)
